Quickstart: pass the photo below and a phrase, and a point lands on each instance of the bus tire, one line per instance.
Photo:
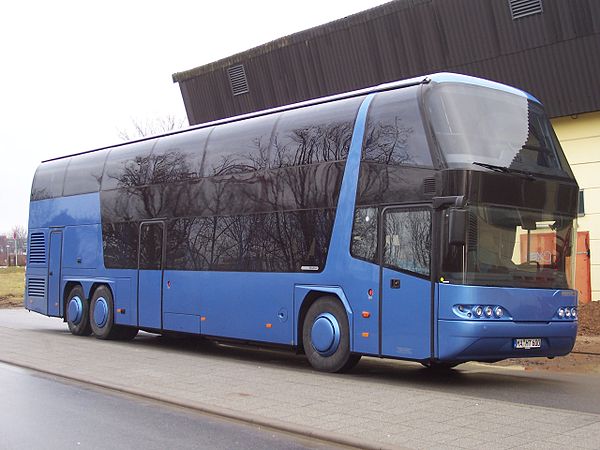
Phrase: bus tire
(77, 312)
(102, 314)
(326, 336)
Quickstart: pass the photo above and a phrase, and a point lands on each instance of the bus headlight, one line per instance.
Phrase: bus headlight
(478, 311)
(498, 312)
(561, 312)
(574, 313)
(488, 311)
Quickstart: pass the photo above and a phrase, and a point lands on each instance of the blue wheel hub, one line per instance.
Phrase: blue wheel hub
(75, 310)
(325, 334)
(101, 312)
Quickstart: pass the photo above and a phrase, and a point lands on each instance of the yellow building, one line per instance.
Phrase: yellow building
(580, 138)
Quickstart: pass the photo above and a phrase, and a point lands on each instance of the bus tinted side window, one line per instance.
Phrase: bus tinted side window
(180, 157)
(239, 147)
(85, 173)
(128, 166)
(396, 156)
(395, 134)
(315, 134)
(49, 179)
(261, 197)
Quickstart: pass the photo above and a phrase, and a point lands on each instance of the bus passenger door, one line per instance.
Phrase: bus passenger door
(54, 272)
(150, 274)
(405, 240)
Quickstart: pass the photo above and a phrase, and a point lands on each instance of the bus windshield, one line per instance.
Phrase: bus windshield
(494, 129)
(512, 247)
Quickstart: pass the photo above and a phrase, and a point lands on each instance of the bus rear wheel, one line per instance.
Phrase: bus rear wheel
(326, 336)
(102, 314)
(77, 312)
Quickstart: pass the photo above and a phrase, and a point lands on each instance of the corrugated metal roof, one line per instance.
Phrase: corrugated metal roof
(555, 55)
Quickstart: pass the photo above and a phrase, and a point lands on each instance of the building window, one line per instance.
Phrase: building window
(580, 205)
(523, 8)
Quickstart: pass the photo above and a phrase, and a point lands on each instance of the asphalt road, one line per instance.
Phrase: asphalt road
(39, 411)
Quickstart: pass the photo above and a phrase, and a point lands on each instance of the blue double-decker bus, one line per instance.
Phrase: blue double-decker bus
(400, 221)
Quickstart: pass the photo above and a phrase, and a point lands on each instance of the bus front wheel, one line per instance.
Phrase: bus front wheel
(326, 336)
(77, 312)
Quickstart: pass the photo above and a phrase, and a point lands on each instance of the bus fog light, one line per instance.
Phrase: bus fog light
(488, 311)
(574, 313)
(498, 312)
(561, 312)
(478, 311)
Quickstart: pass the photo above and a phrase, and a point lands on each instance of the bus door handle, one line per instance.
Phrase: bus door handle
(395, 283)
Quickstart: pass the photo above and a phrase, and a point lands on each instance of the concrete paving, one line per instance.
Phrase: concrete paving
(282, 392)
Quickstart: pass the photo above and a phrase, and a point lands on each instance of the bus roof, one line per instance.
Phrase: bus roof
(444, 77)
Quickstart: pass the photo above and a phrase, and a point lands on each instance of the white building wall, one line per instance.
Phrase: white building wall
(580, 138)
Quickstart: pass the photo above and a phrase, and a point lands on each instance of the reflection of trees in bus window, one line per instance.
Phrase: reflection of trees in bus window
(395, 134)
(316, 134)
(239, 147)
(275, 242)
(84, 173)
(407, 240)
(120, 245)
(364, 234)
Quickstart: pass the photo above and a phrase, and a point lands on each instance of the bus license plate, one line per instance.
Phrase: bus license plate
(528, 343)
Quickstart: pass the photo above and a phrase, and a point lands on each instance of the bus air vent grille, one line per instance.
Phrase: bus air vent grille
(523, 8)
(37, 248)
(429, 186)
(36, 287)
(238, 80)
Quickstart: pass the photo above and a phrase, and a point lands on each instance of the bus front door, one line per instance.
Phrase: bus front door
(150, 274)
(405, 240)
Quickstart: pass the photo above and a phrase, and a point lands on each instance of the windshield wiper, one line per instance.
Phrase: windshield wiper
(503, 169)
(493, 167)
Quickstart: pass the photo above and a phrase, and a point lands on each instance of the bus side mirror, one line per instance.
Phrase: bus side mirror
(457, 226)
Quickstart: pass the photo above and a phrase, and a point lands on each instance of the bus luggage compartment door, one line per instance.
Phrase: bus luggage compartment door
(150, 274)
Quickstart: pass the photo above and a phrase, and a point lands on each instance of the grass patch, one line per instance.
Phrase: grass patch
(12, 286)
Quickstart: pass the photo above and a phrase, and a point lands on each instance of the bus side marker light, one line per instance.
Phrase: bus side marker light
(365, 334)
(366, 314)
(269, 325)
(202, 318)
(121, 310)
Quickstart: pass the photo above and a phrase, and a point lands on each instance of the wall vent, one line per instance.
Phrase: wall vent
(37, 248)
(523, 8)
(36, 287)
(238, 80)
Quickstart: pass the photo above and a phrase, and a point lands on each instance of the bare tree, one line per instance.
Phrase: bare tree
(151, 127)
(18, 232)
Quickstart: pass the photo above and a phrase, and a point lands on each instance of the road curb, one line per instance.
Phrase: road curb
(328, 437)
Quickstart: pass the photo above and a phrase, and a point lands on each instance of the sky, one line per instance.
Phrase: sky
(75, 74)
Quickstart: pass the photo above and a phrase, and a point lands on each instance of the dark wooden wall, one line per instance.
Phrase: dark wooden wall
(555, 55)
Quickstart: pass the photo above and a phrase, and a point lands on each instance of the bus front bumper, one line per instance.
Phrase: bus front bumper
(460, 340)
